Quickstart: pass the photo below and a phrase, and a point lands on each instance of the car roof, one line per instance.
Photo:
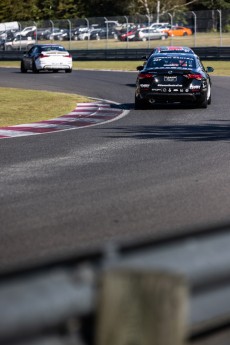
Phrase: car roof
(48, 45)
(179, 54)
(172, 49)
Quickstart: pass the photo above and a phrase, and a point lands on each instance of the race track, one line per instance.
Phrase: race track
(149, 174)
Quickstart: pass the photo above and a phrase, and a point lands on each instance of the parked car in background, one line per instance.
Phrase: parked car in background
(26, 30)
(173, 78)
(2, 43)
(103, 33)
(7, 34)
(126, 34)
(54, 34)
(146, 34)
(47, 57)
(160, 26)
(43, 33)
(85, 35)
(178, 31)
(20, 43)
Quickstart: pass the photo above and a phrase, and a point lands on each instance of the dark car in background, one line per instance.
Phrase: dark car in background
(43, 33)
(173, 78)
(2, 43)
(103, 33)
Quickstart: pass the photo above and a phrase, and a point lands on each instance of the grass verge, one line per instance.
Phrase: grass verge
(27, 106)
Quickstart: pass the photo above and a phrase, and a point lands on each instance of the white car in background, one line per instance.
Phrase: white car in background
(47, 57)
(26, 31)
(20, 43)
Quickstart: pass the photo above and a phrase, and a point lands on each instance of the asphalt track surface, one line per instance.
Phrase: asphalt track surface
(152, 173)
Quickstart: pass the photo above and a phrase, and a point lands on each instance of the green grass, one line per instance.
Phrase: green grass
(222, 68)
(26, 106)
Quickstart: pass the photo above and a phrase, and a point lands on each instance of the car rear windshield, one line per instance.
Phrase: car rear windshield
(49, 48)
(171, 62)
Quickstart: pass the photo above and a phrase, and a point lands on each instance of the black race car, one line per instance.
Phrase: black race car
(173, 78)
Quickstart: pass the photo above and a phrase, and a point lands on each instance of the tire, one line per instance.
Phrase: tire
(34, 68)
(185, 34)
(23, 69)
(202, 102)
(68, 70)
(209, 96)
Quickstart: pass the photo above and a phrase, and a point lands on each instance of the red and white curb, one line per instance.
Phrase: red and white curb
(84, 115)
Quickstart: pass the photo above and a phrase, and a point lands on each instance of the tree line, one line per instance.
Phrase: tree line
(23, 10)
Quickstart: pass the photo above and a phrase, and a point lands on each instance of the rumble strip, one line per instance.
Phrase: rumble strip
(84, 115)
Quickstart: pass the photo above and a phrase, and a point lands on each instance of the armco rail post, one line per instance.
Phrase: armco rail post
(141, 308)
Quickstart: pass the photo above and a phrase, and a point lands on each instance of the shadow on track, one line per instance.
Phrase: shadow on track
(205, 132)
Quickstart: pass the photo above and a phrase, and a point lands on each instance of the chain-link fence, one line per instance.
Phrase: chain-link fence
(208, 28)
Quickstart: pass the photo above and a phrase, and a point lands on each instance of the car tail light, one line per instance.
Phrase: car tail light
(68, 56)
(42, 55)
(145, 76)
(196, 76)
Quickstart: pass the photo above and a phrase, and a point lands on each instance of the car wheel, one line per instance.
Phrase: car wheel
(163, 37)
(68, 70)
(23, 69)
(34, 68)
(185, 34)
(144, 39)
(202, 102)
(209, 94)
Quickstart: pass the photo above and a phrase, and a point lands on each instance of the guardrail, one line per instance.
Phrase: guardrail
(173, 291)
(205, 53)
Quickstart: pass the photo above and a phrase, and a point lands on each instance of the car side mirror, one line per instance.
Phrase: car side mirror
(209, 69)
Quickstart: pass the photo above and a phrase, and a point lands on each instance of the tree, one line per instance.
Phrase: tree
(211, 5)
(149, 7)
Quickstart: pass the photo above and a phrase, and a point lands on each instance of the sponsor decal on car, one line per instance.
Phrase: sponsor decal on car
(169, 85)
(144, 85)
(194, 87)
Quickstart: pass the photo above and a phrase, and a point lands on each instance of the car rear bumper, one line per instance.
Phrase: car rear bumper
(170, 97)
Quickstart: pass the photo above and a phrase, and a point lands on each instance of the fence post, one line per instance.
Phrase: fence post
(141, 308)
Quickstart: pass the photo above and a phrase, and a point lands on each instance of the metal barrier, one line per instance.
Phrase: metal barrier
(171, 291)
(205, 53)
